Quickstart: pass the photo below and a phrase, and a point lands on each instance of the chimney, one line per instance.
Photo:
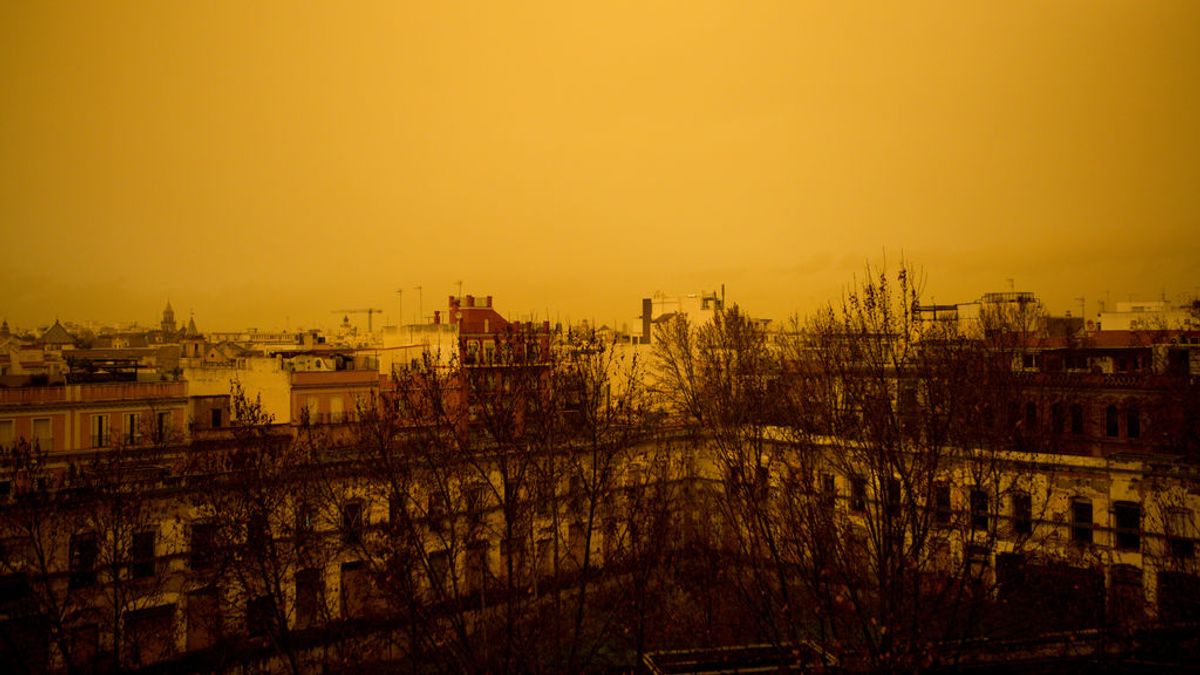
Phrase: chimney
(470, 301)
(647, 310)
(437, 317)
(488, 301)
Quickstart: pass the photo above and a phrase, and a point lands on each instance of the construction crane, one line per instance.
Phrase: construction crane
(368, 311)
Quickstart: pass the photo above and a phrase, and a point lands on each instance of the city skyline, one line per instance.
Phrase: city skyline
(263, 167)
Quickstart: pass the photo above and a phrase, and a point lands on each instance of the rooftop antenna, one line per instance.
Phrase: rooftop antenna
(459, 282)
(420, 303)
(400, 292)
(1082, 307)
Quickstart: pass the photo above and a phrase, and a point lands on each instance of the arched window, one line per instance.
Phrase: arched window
(1056, 418)
(1133, 422)
(1111, 422)
(1031, 415)
(1076, 419)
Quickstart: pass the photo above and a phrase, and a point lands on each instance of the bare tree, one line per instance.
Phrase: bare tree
(254, 534)
(862, 497)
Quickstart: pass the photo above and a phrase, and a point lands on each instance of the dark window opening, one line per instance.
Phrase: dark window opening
(1076, 419)
(260, 615)
(1111, 422)
(1133, 422)
(828, 490)
(143, 555)
(84, 552)
(310, 588)
(202, 546)
(941, 503)
(1081, 521)
(352, 522)
(858, 494)
(1022, 513)
(979, 510)
(1128, 517)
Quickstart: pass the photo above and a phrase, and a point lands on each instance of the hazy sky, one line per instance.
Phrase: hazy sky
(261, 163)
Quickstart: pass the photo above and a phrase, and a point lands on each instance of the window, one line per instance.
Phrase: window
(203, 616)
(1179, 533)
(1111, 422)
(149, 634)
(352, 522)
(257, 531)
(941, 503)
(436, 513)
(1076, 419)
(142, 554)
(216, 418)
(84, 551)
(260, 614)
(1031, 416)
(476, 502)
(828, 490)
(7, 433)
(162, 427)
(1081, 521)
(577, 541)
(337, 409)
(545, 554)
(979, 510)
(1022, 513)
(893, 492)
(1057, 422)
(310, 588)
(978, 560)
(858, 494)
(544, 495)
(476, 565)
(202, 546)
(85, 646)
(439, 570)
(305, 520)
(1128, 520)
(99, 431)
(1133, 422)
(42, 434)
(131, 433)
(515, 549)
(355, 590)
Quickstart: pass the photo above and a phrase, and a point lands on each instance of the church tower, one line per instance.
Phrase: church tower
(168, 320)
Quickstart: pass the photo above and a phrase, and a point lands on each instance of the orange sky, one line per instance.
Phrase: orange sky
(262, 163)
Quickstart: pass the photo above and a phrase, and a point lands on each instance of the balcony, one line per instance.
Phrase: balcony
(336, 378)
(123, 391)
